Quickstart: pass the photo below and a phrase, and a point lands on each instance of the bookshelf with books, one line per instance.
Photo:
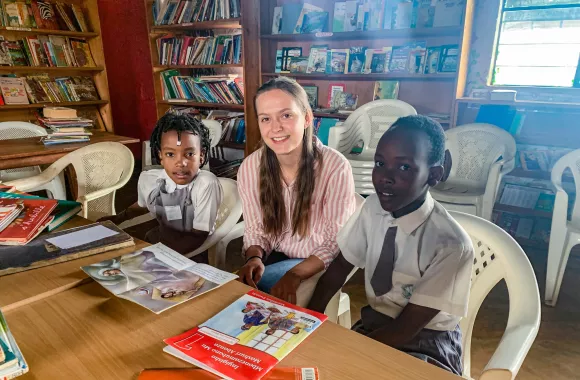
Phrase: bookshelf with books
(412, 47)
(54, 51)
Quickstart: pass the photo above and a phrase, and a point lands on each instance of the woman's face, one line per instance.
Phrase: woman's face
(282, 123)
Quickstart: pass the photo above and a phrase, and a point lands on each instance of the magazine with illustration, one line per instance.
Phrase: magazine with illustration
(246, 339)
(157, 277)
(12, 363)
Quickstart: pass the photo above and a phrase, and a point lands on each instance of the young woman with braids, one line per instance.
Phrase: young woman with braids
(296, 194)
(184, 198)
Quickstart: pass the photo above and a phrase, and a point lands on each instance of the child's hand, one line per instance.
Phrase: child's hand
(286, 287)
(252, 272)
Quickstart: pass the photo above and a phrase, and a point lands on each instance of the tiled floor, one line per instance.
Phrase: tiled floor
(555, 354)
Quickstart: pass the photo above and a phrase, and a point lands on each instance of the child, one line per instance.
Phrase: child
(184, 198)
(418, 259)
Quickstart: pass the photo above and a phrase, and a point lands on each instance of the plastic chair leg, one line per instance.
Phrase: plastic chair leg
(56, 187)
(344, 311)
(557, 260)
(561, 271)
(222, 245)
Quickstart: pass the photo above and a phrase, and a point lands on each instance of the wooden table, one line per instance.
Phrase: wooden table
(18, 153)
(87, 333)
(25, 287)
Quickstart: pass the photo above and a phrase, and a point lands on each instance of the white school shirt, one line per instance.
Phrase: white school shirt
(433, 259)
(206, 197)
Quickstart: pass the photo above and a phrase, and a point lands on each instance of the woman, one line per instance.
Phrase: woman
(296, 194)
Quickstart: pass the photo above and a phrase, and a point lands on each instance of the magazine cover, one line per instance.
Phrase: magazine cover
(12, 363)
(157, 277)
(248, 338)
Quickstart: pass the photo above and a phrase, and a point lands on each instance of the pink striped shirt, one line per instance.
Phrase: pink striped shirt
(333, 203)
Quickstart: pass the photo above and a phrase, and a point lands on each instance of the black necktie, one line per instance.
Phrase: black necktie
(382, 280)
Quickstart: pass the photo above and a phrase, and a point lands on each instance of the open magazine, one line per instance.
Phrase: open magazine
(157, 277)
(246, 339)
(12, 363)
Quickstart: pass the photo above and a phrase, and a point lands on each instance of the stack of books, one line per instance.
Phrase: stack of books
(64, 126)
(8, 213)
(35, 216)
(48, 51)
(40, 88)
(12, 363)
(167, 12)
(43, 15)
(187, 50)
(223, 89)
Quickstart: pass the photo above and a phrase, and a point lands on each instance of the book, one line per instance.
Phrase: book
(287, 54)
(44, 15)
(314, 22)
(157, 277)
(400, 56)
(8, 213)
(57, 247)
(370, 53)
(63, 212)
(433, 55)
(12, 363)
(449, 58)
(248, 338)
(350, 15)
(542, 229)
(339, 15)
(423, 13)
(290, 14)
(35, 217)
(386, 89)
(82, 52)
(277, 20)
(378, 62)
(375, 15)
(356, 60)
(312, 92)
(448, 13)
(298, 65)
(59, 112)
(520, 196)
(13, 91)
(344, 101)
(306, 8)
(277, 373)
(317, 59)
(402, 17)
(534, 160)
(79, 18)
(322, 127)
(546, 202)
(337, 61)
(279, 61)
(15, 52)
(417, 59)
(333, 88)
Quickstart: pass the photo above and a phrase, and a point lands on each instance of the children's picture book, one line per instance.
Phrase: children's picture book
(370, 58)
(157, 277)
(13, 91)
(449, 58)
(312, 92)
(375, 15)
(339, 13)
(287, 54)
(400, 56)
(448, 13)
(306, 9)
(423, 13)
(278, 61)
(534, 160)
(314, 22)
(417, 60)
(344, 101)
(521, 196)
(386, 89)
(12, 363)
(402, 17)
(337, 61)
(70, 244)
(356, 59)
(334, 88)
(350, 15)
(277, 20)
(248, 338)
(277, 373)
(432, 60)
(378, 62)
(298, 65)
(317, 59)
(8, 213)
(35, 217)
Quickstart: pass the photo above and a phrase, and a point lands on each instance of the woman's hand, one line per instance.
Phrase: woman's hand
(286, 287)
(252, 272)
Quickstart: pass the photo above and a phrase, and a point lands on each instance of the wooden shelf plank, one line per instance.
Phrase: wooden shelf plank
(62, 104)
(48, 31)
(520, 103)
(42, 68)
(232, 145)
(523, 211)
(204, 105)
(367, 34)
(379, 76)
(164, 67)
(232, 23)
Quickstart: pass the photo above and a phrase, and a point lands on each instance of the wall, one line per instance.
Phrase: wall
(129, 69)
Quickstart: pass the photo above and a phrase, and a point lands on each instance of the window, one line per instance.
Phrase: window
(538, 44)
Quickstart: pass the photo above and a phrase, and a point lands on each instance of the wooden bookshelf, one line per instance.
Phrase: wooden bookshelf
(370, 77)
(340, 116)
(220, 106)
(166, 67)
(232, 23)
(100, 109)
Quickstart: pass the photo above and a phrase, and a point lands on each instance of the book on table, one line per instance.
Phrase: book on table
(12, 363)
(35, 217)
(157, 277)
(278, 373)
(58, 247)
(8, 213)
(246, 339)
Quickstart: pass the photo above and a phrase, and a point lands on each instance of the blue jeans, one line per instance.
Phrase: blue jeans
(274, 272)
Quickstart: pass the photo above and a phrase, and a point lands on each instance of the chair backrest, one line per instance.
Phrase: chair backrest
(569, 161)
(497, 257)
(100, 166)
(20, 130)
(367, 124)
(474, 148)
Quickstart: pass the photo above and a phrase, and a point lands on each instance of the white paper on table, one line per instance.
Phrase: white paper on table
(212, 274)
(82, 237)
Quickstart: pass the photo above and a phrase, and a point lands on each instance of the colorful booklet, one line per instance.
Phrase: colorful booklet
(248, 338)
(35, 218)
(282, 373)
(157, 277)
(8, 213)
(12, 363)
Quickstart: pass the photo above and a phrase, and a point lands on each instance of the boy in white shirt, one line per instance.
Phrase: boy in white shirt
(418, 259)
(184, 198)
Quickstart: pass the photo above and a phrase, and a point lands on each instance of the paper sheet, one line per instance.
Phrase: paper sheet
(82, 237)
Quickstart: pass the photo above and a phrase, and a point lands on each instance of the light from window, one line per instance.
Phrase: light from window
(539, 44)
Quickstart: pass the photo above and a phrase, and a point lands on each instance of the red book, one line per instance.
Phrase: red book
(35, 217)
(248, 338)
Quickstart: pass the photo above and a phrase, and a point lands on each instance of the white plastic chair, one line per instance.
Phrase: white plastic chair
(497, 257)
(18, 130)
(565, 234)
(365, 126)
(215, 135)
(481, 155)
(100, 169)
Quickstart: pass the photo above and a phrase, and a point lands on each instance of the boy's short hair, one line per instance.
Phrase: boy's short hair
(180, 123)
(431, 128)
